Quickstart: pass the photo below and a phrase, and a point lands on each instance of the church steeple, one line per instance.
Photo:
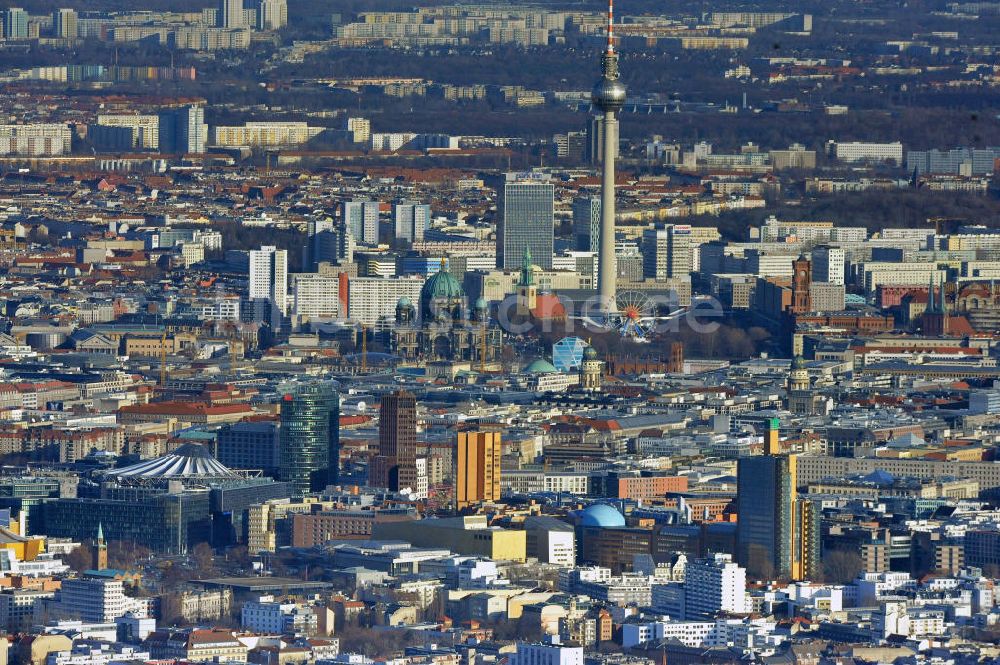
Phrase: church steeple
(527, 279)
(527, 294)
(100, 549)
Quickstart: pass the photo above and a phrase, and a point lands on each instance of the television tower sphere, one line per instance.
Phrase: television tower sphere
(609, 94)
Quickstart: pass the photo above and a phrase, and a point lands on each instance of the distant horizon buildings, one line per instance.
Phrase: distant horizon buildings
(15, 23)
(230, 14)
(183, 130)
(361, 218)
(410, 220)
(64, 23)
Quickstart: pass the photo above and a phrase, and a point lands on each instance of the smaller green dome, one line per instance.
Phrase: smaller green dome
(541, 366)
(481, 303)
(404, 302)
(590, 353)
(799, 362)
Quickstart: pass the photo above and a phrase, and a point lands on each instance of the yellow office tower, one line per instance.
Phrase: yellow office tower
(477, 476)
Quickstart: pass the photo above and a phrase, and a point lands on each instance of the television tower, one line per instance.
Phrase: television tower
(609, 97)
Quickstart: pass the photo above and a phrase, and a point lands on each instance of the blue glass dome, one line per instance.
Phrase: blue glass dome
(602, 516)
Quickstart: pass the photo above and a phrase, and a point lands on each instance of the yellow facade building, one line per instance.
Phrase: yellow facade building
(477, 473)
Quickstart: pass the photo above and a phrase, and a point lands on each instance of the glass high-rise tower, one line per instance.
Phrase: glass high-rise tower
(525, 207)
(310, 437)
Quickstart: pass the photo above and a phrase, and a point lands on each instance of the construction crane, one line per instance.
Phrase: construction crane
(163, 358)
(364, 348)
(234, 355)
(482, 348)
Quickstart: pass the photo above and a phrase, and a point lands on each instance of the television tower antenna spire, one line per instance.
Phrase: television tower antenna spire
(611, 26)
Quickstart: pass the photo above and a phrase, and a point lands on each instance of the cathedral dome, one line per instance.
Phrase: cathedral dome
(442, 285)
(590, 353)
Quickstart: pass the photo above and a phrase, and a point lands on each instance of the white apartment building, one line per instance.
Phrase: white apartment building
(705, 634)
(524, 482)
(90, 653)
(689, 633)
(666, 252)
(390, 142)
(410, 220)
(869, 152)
(315, 296)
(360, 129)
(272, 14)
(94, 599)
(769, 265)
(225, 308)
(265, 615)
(546, 654)
(38, 139)
(828, 265)
(715, 584)
(263, 134)
(145, 128)
(360, 217)
(269, 280)
(558, 547)
(877, 273)
(373, 299)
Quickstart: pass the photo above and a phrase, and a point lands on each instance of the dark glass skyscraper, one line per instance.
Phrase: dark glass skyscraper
(310, 437)
(395, 466)
(587, 223)
(777, 533)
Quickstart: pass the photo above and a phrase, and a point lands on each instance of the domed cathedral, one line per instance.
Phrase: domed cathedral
(444, 328)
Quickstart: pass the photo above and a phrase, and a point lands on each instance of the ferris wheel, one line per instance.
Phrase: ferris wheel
(636, 315)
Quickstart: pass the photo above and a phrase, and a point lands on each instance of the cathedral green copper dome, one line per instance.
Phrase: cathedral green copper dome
(441, 285)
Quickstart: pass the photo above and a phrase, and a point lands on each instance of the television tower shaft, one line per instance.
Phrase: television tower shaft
(609, 97)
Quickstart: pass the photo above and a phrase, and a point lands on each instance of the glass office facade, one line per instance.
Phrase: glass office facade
(526, 220)
(310, 437)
